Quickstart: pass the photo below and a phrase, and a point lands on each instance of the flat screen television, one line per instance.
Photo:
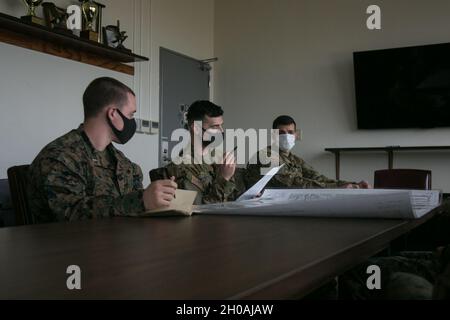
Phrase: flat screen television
(403, 87)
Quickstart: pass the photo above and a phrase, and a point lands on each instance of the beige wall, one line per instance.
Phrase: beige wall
(40, 95)
(276, 56)
(185, 26)
(295, 57)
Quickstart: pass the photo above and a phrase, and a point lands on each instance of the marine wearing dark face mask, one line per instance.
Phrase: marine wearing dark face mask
(213, 183)
(81, 175)
(128, 131)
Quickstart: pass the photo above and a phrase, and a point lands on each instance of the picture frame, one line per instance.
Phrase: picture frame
(55, 17)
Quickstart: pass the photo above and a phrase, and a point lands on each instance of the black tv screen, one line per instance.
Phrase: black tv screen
(403, 87)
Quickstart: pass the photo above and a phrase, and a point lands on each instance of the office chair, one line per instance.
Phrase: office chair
(18, 181)
(402, 179)
(406, 179)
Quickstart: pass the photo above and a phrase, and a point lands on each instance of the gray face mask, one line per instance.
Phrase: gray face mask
(286, 142)
(128, 131)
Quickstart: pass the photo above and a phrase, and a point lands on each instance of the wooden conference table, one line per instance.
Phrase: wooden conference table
(198, 257)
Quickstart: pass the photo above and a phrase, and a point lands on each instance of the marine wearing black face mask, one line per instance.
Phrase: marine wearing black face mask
(213, 182)
(128, 131)
(212, 137)
(81, 175)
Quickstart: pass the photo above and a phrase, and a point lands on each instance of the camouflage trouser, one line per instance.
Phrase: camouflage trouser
(408, 275)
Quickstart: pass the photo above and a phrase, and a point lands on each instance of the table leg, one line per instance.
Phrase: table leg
(390, 159)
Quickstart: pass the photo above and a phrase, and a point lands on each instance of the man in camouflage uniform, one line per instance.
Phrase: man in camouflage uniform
(295, 172)
(214, 183)
(409, 275)
(81, 175)
(404, 276)
(441, 289)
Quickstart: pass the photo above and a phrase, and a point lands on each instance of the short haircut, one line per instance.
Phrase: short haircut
(103, 92)
(201, 108)
(283, 121)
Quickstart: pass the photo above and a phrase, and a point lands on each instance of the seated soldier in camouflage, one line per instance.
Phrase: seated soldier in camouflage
(295, 172)
(81, 175)
(422, 273)
(411, 275)
(216, 182)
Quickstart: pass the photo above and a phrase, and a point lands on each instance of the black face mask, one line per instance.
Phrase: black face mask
(129, 128)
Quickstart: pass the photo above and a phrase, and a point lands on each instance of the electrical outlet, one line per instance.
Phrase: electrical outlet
(154, 129)
(138, 125)
(146, 124)
(143, 126)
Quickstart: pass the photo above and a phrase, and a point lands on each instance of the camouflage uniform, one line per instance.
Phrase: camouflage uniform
(408, 275)
(295, 173)
(207, 181)
(70, 180)
(442, 283)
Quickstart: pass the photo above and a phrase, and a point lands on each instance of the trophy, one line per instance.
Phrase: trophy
(115, 38)
(92, 20)
(55, 17)
(31, 15)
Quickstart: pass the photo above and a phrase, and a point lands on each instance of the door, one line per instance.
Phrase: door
(183, 80)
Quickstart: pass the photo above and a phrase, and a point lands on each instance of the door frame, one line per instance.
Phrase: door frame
(161, 88)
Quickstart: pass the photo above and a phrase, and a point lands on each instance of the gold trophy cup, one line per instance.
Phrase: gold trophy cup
(31, 15)
(91, 11)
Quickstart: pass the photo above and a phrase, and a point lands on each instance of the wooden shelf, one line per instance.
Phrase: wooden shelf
(66, 45)
(389, 150)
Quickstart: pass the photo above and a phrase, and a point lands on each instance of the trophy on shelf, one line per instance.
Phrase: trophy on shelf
(114, 37)
(31, 15)
(55, 17)
(92, 20)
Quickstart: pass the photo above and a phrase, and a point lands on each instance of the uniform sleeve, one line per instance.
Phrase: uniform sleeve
(253, 174)
(309, 179)
(240, 181)
(284, 178)
(67, 198)
(220, 190)
(183, 180)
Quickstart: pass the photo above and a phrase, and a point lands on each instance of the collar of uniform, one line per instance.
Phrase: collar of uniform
(285, 153)
(92, 151)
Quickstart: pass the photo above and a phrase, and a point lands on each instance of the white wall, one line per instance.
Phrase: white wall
(295, 57)
(40, 95)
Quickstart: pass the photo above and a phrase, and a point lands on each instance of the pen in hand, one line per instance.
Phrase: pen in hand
(173, 179)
